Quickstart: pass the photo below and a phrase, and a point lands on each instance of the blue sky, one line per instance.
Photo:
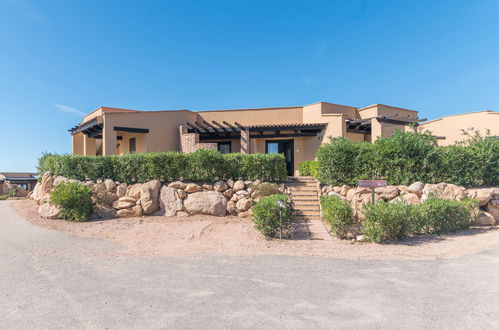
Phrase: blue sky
(60, 59)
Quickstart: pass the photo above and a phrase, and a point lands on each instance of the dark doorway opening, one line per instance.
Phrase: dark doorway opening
(285, 147)
(132, 145)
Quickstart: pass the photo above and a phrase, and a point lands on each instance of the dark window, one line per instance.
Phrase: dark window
(224, 147)
(132, 145)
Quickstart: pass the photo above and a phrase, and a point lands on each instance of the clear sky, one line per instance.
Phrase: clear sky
(60, 59)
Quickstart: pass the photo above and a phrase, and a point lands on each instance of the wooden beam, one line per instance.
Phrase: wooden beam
(130, 129)
(195, 128)
(227, 129)
(240, 126)
(216, 129)
(208, 129)
(237, 129)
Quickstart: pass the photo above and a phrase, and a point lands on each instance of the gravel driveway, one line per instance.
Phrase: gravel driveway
(54, 280)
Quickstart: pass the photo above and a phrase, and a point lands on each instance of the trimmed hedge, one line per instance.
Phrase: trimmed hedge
(266, 215)
(202, 165)
(308, 168)
(407, 157)
(338, 214)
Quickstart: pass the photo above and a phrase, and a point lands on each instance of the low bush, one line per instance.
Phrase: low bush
(266, 214)
(338, 214)
(202, 165)
(309, 168)
(74, 199)
(265, 189)
(385, 221)
(438, 216)
(12, 193)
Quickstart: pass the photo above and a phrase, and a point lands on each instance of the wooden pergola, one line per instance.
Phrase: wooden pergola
(227, 131)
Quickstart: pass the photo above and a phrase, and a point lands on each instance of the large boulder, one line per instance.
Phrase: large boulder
(192, 188)
(416, 188)
(443, 190)
(102, 194)
(49, 211)
(231, 207)
(177, 185)
(104, 211)
(135, 211)
(493, 208)
(483, 195)
(389, 192)
(121, 190)
(206, 202)
(244, 204)
(149, 196)
(43, 187)
(134, 191)
(238, 185)
(411, 198)
(58, 180)
(169, 201)
(124, 202)
(110, 185)
(486, 219)
(220, 186)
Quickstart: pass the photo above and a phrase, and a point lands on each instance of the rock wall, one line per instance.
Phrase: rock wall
(115, 199)
(418, 192)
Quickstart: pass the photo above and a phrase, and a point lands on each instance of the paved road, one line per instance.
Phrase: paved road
(57, 281)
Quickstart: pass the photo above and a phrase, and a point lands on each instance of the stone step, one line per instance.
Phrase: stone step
(307, 209)
(297, 189)
(311, 218)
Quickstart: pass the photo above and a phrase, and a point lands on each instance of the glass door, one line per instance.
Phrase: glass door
(284, 147)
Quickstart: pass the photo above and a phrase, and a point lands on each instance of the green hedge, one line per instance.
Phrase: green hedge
(266, 215)
(338, 214)
(408, 157)
(202, 165)
(309, 168)
(387, 221)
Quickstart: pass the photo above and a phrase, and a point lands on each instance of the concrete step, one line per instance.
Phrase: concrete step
(318, 231)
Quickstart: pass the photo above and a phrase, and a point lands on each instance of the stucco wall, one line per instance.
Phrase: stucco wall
(163, 129)
(450, 127)
(264, 116)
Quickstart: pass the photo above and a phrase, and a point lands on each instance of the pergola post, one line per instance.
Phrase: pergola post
(245, 141)
(108, 140)
(88, 146)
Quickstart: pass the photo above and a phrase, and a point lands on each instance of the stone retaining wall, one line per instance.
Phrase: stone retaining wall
(115, 199)
(418, 192)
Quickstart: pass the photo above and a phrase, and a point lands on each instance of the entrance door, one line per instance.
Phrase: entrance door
(285, 147)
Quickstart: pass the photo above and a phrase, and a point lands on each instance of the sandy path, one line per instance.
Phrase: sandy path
(181, 236)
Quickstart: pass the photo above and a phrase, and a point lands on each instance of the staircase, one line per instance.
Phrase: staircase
(306, 209)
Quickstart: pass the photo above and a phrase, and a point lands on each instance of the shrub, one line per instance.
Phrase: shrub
(407, 157)
(266, 214)
(202, 165)
(309, 168)
(338, 214)
(265, 189)
(438, 216)
(385, 221)
(74, 199)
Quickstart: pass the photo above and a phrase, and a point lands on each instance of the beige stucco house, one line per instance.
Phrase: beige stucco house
(449, 129)
(21, 181)
(295, 131)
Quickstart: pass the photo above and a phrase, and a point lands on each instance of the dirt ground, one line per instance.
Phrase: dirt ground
(194, 235)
